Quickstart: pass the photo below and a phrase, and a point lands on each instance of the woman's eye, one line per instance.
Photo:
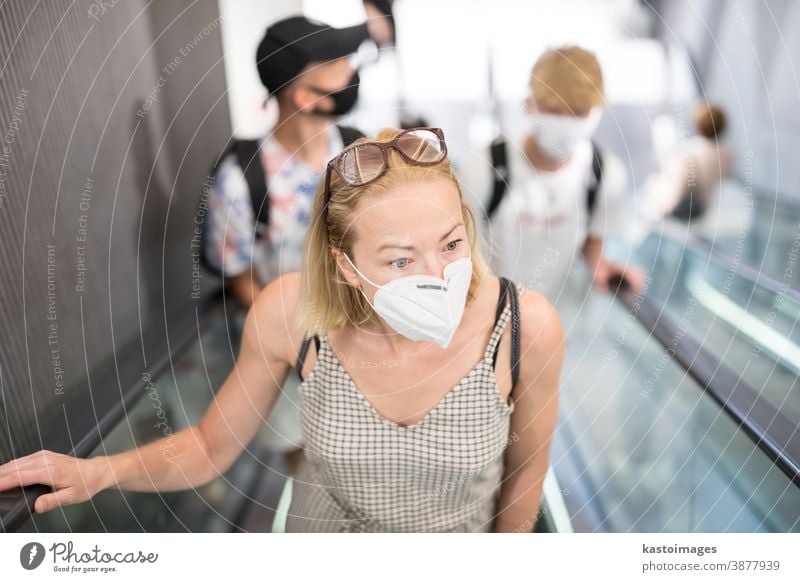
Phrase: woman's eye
(399, 263)
(453, 244)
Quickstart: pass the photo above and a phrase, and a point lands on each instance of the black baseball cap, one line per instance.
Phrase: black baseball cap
(291, 44)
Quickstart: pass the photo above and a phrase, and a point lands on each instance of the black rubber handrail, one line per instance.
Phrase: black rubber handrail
(767, 427)
(105, 402)
(681, 236)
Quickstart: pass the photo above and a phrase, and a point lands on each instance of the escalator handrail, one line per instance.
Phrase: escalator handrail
(767, 427)
(127, 385)
(781, 200)
(742, 269)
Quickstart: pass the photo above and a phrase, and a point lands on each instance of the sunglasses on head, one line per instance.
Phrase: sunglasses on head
(363, 163)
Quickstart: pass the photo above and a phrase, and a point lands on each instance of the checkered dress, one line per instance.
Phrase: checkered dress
(364, 473)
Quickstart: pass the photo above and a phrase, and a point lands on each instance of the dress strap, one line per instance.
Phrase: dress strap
(507, 309)
(301, 356)
(501, 300)
(515, 336)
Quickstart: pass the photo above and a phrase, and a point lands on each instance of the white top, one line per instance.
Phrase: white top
(699, 165)
(537, 233)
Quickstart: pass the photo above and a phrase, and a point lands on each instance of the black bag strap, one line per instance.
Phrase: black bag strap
(688, 206)
(500, 174)
(597, 179)
(249, 160)
(385, 8)
(247, 152)
(301, 356)
(508, 291)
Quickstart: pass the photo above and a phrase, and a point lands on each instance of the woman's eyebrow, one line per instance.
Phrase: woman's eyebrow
(449, 232)
(393, 246)
(411, 247)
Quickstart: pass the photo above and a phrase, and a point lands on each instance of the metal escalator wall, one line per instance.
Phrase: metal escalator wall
(106, 142)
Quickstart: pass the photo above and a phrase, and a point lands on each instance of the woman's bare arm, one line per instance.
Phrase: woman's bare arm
(534, 416)
(197, 454)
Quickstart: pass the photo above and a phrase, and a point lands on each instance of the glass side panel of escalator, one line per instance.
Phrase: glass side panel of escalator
(754, 331)
(759, 228)
(641, 447)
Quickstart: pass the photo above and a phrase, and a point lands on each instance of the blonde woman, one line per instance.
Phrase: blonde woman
(429, 386)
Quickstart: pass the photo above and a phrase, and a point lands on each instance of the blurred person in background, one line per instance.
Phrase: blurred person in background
(556, 195)
(256, 228)
(689, 182)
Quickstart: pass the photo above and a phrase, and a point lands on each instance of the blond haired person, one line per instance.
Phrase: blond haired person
(405, 345)
(549, 215)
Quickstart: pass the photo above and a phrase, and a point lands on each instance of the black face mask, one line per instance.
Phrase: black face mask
(343, 100)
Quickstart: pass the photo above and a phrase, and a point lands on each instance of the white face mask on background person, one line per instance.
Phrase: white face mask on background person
(558, 135)
(422, 307)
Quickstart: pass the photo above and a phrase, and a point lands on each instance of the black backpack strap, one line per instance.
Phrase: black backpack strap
(349, 134)
(248, 156)
(249, 160)
(509, 290)
(500, 173)
(597, 179)
(301, 356)
(385, 8)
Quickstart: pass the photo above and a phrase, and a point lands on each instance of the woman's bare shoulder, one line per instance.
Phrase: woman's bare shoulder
(274, 313)
(541, 331)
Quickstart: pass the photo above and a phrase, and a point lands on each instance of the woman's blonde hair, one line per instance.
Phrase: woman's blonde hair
(327, 300)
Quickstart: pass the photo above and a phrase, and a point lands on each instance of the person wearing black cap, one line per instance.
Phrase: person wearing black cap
(260, 200)
(255, 236)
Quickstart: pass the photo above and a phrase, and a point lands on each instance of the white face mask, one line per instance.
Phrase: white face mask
(421, 307)
(558, 135)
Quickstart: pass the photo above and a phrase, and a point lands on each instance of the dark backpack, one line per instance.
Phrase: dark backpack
(246, 152)
(688, 208)
(499, 154)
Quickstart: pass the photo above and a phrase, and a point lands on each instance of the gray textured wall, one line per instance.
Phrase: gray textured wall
(110, 115)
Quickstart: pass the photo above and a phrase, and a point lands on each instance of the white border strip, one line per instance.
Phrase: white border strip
(555, 503)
